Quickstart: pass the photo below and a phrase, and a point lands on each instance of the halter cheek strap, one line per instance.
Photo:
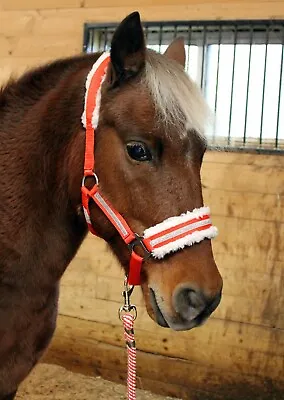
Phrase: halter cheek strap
(166, 237)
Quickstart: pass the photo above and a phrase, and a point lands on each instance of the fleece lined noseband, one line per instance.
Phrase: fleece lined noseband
(169, 236)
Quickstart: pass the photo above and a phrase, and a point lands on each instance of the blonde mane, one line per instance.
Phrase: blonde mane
(177, 98)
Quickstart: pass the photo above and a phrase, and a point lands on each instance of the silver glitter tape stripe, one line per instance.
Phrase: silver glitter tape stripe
(87, 217)
(111, 213)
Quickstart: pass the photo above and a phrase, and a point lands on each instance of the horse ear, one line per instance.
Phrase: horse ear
(127, 49)
(176, 51)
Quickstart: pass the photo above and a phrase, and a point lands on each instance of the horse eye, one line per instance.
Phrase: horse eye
(138, 151)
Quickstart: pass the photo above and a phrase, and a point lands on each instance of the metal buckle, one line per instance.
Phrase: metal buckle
(138, 241)
(127, 307)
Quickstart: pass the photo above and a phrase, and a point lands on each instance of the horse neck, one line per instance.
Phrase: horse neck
(64, 140)
(25, 91)
(48, 150)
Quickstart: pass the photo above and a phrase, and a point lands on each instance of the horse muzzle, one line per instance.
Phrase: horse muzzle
(191, 308)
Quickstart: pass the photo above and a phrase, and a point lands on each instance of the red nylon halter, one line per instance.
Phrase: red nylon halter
(170, 235)
(128, 236)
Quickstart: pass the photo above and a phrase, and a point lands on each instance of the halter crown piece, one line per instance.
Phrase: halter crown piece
(169, 236)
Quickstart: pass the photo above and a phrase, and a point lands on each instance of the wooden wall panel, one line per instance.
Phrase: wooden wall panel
(13, 24)
(244, 205)
(163, 9)
(38, 5)
(210, 10)
(184, 367)
(230, 177)
(250, 238)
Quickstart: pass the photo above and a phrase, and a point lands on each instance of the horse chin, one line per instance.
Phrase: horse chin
(157, 315)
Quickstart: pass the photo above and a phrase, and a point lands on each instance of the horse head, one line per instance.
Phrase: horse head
(149, 148)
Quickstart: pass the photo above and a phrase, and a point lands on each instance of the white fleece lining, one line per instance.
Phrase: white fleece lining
(188, 240)
(173, 221)
(179, 231)
(96, 112)
(95, 116)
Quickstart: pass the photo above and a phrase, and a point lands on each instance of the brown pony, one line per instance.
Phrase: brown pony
(149, 150)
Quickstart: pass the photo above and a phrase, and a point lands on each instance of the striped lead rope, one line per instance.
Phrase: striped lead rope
(128, 322)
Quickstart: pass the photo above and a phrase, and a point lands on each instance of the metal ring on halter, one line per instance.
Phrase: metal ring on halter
(94, 175)
(138, 242)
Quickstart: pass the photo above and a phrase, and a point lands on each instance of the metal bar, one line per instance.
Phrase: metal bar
(146, 32)
(160, 37)
(217, 82)
(105, 35)
(248, 86)
(175, 30)
(188, 45)
(263, 87)
(203, 58)
(91, 40)
(99, 39)
(232, 87)
(280, 90)
(86, 37)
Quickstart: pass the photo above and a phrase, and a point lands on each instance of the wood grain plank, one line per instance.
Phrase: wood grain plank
(5, 46)
(245, 205)
(47, 46)
(97, 12)
(162, 3)
(17, 22)
(192, 11)
(255, 264)
(74, 337)
(250, 238)
(237, 158)
(174, 11)
(37, 5)
(248, 178)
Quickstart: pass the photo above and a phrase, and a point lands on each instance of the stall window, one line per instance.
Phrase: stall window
(239, 67)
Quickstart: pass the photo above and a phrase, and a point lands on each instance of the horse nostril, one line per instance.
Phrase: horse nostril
(188, 302)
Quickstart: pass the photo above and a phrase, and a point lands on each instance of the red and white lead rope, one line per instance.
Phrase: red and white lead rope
(128, 322)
